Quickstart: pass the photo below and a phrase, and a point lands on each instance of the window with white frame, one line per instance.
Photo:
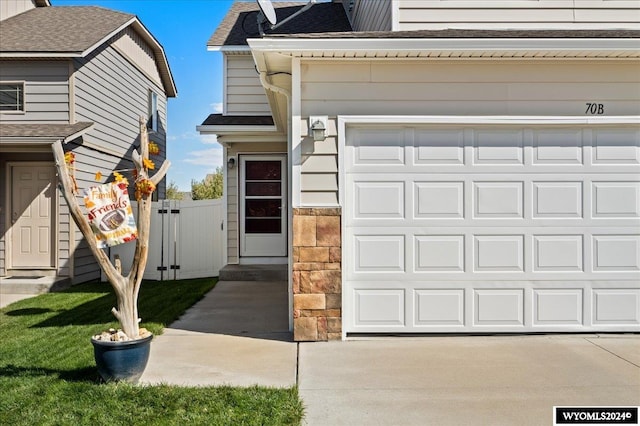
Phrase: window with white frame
(152, 123)
(11, 97)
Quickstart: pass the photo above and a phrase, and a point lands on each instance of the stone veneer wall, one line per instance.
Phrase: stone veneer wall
(317, 274)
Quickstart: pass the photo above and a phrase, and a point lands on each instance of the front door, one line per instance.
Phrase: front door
(33, 213)
(263, 192)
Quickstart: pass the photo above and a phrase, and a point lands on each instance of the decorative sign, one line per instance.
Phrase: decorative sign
(110, 214)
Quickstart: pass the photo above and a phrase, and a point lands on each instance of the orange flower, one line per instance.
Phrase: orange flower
(144, 187)
(119, 178)
(148, 164)
(98, 177)
(154, 149)
(69, 157)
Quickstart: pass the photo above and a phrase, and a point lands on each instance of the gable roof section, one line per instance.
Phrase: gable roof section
(225, 124)
(238, 120)
(240, 22)
(71, 32)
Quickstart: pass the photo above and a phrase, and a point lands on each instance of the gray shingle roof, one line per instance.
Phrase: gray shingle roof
(467, 33)
(45, 131)
(238, 120)
(240, 22)
(63, 29)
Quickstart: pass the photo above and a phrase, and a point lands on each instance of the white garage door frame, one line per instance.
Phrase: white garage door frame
(473, 300)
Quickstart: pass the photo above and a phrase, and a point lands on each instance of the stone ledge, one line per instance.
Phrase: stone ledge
(317, 211)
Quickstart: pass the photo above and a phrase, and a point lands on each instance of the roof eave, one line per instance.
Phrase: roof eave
(48, 139)
(40, 55)
(228, 48)
(78, 133)
(466, 47)
(208, 129)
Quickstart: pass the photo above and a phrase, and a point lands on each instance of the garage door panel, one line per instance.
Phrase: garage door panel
(439, 307)
(616, 146)
(444, 146)
(439, 253)
(379, 307)
(450, 196)
(498, 253)
(558, 253)
(616, 253)
(367, 196)
(558, 307)
(498, 199)
(379, 253)
(557, 199)
(616, 199)
(379, 147)
(499, 307)
(499, 147)
(493, 230)
(616, 306)
(558, 147)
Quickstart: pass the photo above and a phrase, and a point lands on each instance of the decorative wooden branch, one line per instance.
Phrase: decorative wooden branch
(125, 287)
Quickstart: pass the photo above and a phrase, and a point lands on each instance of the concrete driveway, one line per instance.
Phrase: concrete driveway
(466, 380)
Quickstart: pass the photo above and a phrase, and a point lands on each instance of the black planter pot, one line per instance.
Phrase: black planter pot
(122, 361)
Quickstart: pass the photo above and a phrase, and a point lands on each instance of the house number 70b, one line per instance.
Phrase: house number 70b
(594, 109)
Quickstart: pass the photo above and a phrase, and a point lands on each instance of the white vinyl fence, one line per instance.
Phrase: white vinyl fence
(185, 242)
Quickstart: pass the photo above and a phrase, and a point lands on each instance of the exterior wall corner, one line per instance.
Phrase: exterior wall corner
(317, 274)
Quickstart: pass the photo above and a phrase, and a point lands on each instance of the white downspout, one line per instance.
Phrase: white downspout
(276, 89)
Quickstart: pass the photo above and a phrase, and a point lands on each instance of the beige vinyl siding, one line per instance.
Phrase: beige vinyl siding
(112, 93)
(319, 170)
(371, 15)
(233, 215)
(537, 88)
(133, 47)
(243, 90)
(565, 14)
(9, 8)
(46, 90)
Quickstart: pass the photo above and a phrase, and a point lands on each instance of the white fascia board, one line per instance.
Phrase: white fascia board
(485, 120)
(40, 55)
(23, 140)
(108, 36)
(293, 45)
(242, 48)
(207, 130)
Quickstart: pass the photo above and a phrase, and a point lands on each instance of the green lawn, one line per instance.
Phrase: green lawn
(48, 375)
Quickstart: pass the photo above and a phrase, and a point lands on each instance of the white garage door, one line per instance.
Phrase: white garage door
(491, 229)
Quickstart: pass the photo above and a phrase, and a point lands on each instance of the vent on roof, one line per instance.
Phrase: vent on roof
(267, 19)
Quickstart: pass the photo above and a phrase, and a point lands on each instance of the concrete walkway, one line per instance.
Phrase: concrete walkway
(238, 335)
(9, 298)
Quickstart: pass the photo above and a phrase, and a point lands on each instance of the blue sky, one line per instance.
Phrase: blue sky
(183, 28)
